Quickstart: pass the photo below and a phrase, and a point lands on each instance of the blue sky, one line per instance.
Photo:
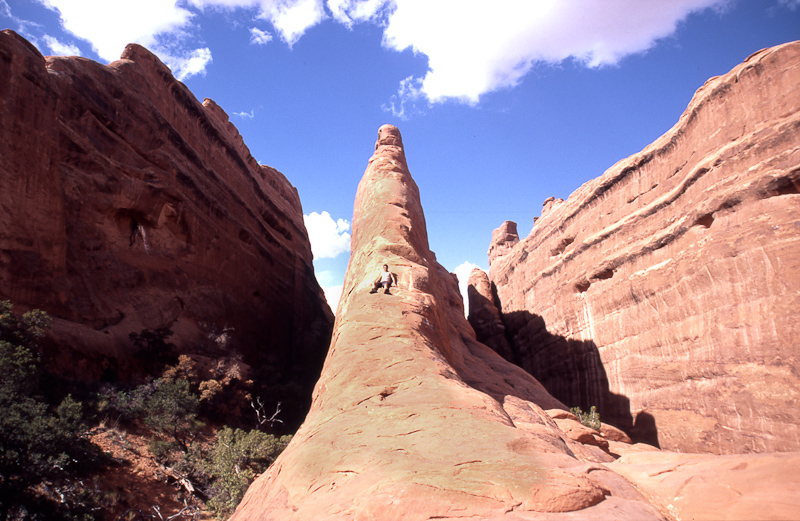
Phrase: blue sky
(501, 103)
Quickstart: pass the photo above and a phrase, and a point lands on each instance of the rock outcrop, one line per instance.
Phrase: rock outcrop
(412, 417)
(484, 315)
(129, 206)
(667, 291)
(503, 240)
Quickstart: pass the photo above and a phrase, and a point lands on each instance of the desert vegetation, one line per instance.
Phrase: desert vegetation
(199, 436)
(590, 419)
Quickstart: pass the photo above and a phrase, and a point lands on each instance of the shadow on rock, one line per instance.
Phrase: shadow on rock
(572, 371)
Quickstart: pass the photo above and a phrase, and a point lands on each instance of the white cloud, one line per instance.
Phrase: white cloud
(291, 18)
(350, 11)
(331, 284)
(259, 37)
(408, 96)
(192, 64)
(462, 272)
(109, 25)
(231, 4)
(245, 115)
(27, 28)
(60, 48)
(332, 295)
(164, 25)
(328, 238)
(475, 47)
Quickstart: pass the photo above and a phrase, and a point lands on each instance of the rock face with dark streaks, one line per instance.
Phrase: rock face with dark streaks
(413, 418)
(667, 291)
(128, 206)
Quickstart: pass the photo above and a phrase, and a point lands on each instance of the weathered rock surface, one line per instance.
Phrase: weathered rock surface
(127, 205)
(414, 419)
(503, 240)
(667, 291)
(484, 316)
(706, 487)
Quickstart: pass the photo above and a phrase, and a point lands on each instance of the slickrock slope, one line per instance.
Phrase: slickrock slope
(667, 291)
(414, 419)
(708, 487)
(127, 205)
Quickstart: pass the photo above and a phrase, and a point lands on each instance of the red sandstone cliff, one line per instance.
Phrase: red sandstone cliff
(667, 291)
(127, 205)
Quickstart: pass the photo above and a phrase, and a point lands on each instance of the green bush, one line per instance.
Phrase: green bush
(152, 349)
(591, 419)
(172, 410)
(160, 449)
(123, 405)
(45, 456)
(39, 444)
(238, 457)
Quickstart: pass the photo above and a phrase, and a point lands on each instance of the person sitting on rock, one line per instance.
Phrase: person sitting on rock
(386, 279)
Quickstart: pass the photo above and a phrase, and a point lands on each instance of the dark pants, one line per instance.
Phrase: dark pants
(378, 284)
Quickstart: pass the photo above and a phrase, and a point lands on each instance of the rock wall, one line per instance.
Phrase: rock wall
(667, 291)
(412, 418)
(484, 315)
(127, 206)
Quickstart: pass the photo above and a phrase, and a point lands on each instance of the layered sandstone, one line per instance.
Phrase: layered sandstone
(667, 291)
(129, 206)
(412, 417)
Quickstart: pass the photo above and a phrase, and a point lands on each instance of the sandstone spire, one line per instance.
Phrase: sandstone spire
(413, 418)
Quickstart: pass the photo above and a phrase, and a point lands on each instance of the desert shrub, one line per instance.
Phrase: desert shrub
(117, 403)
(170, 407)
(123, 405)
(152, 349)
(590, 419)
(222, 387)
(172, 410)
(167, 405)
(160, 449)
(237, 458)
(183, 369)
(40, 444)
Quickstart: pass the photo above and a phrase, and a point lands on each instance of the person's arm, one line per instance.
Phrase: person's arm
(394, 279)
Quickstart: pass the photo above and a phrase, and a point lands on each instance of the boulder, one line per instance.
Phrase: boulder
(667, 291)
